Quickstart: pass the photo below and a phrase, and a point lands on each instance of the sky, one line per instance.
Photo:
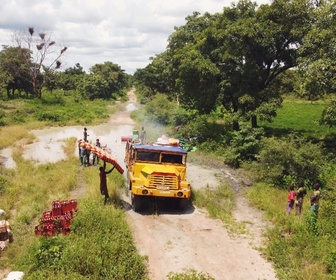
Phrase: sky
(125, 32)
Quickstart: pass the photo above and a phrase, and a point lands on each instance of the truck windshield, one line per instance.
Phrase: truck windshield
(148, 156)
(170, 158)
(165, 158)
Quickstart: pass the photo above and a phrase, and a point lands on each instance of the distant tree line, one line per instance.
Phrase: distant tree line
(242, 60)
(33, 64)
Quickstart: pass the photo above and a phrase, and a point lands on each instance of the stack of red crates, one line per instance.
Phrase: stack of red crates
(57, 220)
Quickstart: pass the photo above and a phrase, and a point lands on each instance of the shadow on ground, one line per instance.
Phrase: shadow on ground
(159, 206)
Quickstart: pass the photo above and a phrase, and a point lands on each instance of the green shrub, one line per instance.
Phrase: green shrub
(288, 160)
(49, 116)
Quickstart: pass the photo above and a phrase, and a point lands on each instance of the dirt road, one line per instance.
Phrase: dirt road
(174, 242)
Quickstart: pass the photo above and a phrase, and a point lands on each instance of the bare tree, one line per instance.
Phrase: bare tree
(40, 55)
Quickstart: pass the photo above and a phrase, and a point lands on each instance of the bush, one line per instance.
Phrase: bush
(288, 160)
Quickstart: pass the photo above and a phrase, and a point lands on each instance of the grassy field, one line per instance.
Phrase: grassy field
(300, 117)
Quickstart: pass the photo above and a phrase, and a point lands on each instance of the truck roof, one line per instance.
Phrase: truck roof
(172, 149)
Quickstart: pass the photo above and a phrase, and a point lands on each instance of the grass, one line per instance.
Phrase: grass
(54, 109)
(100, 245)
(297, 246)
(301, 117)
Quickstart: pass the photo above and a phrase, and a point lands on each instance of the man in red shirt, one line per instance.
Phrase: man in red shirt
(290, 199)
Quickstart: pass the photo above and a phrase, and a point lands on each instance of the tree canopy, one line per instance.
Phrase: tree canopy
(234, 59)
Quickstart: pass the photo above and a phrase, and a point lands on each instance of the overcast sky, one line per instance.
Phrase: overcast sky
(126, 32)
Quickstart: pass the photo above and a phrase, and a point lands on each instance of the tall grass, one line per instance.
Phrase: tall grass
(9, 135)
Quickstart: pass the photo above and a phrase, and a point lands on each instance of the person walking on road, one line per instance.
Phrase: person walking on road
(103, 184)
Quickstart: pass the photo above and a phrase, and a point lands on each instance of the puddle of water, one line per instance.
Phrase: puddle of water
(8, 161)
(49, 143)
(131, 107)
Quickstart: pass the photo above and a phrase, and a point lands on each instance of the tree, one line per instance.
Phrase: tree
(233, 58)
(70, 78)
(112, 75)
(317, 61)
(39, 56)
(14, 72)
(154, 78)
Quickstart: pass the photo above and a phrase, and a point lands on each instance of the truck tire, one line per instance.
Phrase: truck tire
(136, 203)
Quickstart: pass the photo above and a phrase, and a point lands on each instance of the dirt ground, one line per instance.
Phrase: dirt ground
(178, 241)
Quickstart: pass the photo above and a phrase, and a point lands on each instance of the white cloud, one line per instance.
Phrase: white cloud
(126, 32)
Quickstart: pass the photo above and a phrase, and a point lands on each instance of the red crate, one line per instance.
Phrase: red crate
(56, 208)
(73, 204)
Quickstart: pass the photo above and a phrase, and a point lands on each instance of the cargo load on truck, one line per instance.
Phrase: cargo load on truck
(156, 170)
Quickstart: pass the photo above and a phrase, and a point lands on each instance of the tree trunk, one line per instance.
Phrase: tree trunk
(235, 125)
(254, 123)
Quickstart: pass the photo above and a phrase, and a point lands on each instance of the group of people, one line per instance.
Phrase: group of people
(295, 198)
(84, 155)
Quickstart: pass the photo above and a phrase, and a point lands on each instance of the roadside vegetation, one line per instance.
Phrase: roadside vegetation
(274, 156)
(100, 245)
(251, 87)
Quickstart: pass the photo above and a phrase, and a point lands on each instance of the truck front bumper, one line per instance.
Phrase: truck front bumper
(143, 191)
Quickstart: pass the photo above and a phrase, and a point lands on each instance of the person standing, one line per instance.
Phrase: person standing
(85, 134)
(103, 184)
(300, 194)
(82, 155)
(95, 156)
(143, 135)
(315, 199)
(290, 199)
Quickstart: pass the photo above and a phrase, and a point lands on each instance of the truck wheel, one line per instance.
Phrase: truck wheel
(136, 203)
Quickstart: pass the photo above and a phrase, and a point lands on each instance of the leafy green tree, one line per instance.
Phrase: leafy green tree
(93, 86)
(233, 58)
(318, 58)
(14, 73)
(154, 78)
(112, 75)
(70, 78)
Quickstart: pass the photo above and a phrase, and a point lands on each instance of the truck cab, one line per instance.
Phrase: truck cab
(156, 171)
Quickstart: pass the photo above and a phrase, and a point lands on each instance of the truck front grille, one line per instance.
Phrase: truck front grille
(163, 181)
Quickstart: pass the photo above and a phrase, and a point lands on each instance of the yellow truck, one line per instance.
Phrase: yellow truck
(156, 171)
